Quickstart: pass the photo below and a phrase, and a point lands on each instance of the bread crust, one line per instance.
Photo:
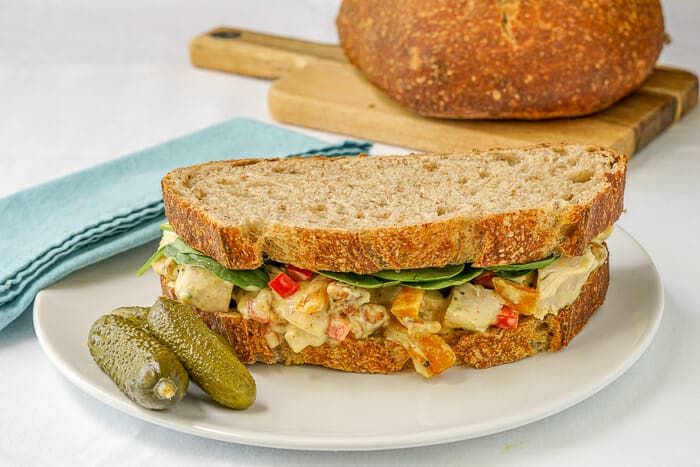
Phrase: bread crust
(503, 59)
(505, 238)
(496, 346)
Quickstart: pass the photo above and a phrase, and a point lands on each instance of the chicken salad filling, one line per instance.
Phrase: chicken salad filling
(412, 308)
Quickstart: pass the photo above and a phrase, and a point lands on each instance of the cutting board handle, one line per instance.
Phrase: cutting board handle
(255, 54)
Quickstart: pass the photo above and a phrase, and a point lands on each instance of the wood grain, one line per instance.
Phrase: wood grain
(316, 87)
(256, 54)
(335, 97)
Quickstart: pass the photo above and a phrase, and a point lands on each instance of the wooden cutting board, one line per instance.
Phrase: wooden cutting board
(316, 87)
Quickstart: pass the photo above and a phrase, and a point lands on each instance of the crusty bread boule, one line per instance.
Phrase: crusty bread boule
(506, 58)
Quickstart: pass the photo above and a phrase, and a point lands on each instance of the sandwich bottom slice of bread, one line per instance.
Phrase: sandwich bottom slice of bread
(376, 264)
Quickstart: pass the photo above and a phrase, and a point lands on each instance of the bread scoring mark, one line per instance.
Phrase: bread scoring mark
(509, 10)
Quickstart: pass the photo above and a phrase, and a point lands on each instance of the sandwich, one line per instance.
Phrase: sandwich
(385, 263)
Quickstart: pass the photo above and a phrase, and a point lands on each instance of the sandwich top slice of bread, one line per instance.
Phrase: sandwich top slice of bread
(366, 214)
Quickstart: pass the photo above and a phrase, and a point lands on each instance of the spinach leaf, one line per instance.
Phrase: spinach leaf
(359, 280)
(183, 247)
(462, 278)
(154, 257)
(510, 275)
(421, 275)
(247, 279)
(525, 266)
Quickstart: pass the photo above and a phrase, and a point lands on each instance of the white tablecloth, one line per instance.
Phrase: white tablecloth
(83, 82)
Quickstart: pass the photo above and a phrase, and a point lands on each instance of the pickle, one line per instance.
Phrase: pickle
(145, 370)
(209, 359)
(135, 314)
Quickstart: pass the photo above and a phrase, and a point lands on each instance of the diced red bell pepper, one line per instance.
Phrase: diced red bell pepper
(507, 318)
(485, 279)
(299, 274)
(283, 285)
(338, 328)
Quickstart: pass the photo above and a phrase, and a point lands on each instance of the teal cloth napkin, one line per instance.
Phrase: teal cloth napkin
(53, 229)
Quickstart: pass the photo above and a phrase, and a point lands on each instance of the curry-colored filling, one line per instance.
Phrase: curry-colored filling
(324, 310)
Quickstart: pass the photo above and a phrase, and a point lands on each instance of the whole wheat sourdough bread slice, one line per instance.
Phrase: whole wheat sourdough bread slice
(365, 214)
(496, 346)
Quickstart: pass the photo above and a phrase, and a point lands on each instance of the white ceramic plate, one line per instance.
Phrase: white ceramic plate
(317, 408)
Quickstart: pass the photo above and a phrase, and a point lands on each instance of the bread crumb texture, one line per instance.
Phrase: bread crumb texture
(372, 192)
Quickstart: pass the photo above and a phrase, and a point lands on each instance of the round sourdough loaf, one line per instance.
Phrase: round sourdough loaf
(503, 58)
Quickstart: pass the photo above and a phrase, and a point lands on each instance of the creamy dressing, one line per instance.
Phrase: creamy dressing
(307, 309)
(165, 266)
(604, 235)
(304, 318)
(560, 283)
(298, 340)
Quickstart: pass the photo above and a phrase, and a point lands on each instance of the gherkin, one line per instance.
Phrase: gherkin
(209, 359)
(145, 370)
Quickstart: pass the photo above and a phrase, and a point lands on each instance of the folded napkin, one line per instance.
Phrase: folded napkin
(51, 230)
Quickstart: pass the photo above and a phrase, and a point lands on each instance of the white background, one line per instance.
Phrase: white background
(83, 82)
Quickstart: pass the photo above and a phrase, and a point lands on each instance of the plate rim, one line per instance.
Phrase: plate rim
(367, 443)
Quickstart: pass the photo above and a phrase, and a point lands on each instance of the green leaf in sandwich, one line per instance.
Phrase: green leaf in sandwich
(247, 279)
(421, 275)
(154, 257)
(427, 279)
(514, 271)
(359, 280)
(463, 277)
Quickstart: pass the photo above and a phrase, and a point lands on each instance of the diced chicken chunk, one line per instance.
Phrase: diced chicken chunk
(198, 287)
(346, 298)
(560, 282)
(473, 307)
(370, 318)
